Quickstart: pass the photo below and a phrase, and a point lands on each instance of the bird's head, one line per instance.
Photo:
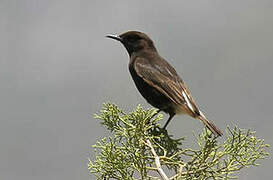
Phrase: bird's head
(134, 41)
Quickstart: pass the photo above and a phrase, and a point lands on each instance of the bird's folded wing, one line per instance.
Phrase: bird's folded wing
(166, 81)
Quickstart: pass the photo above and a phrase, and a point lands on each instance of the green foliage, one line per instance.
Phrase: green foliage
(137, 143)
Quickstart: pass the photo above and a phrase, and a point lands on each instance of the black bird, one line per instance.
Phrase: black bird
(157, 80)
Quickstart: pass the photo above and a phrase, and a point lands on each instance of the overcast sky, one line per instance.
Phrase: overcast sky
(57, 68)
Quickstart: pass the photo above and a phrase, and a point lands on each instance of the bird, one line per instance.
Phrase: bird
(157, 81)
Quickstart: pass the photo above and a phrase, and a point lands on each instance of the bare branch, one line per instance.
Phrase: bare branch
(157, 161)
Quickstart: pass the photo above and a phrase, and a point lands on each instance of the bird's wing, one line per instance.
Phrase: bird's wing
(165, 79)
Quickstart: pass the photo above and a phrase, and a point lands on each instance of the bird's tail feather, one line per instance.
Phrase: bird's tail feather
(210, 125)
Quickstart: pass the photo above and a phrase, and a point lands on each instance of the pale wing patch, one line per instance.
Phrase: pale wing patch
(188, 101)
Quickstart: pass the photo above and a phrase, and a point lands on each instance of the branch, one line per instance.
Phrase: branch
(157, 161)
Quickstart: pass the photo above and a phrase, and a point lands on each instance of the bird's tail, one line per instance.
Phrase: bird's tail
(210, 125)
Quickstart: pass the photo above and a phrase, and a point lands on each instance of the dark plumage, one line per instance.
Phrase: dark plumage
(157, 80)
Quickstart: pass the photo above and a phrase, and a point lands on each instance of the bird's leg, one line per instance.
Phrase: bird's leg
(171, 116)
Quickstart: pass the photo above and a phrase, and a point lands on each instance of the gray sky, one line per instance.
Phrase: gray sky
(57, 68)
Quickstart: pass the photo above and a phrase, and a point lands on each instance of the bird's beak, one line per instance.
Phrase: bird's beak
(116, 37)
